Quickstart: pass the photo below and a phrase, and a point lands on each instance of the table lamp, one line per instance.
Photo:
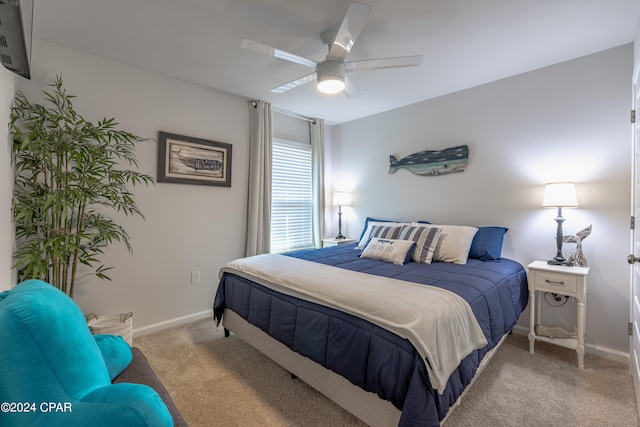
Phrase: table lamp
(341, 199)
(559, 195)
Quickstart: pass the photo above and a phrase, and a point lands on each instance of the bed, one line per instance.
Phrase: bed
(344, 319)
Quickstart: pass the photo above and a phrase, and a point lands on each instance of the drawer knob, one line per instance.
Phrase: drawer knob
(631, 259)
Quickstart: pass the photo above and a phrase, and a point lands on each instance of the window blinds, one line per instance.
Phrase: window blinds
(291, 197)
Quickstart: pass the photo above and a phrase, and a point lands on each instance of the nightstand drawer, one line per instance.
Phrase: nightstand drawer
(556, 283)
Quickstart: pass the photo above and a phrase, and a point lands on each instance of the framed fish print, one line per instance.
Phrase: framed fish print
(188, 160)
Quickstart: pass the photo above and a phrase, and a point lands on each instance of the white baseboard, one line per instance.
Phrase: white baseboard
(596, 350)
(138, 332)
(607, 353)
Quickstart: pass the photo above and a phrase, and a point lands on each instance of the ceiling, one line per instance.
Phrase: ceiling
(464, 43)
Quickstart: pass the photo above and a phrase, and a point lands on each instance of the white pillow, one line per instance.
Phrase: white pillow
(390, 250)
(367, 233)
(454, 244)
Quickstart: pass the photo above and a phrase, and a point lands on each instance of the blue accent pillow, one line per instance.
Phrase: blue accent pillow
(487, 243)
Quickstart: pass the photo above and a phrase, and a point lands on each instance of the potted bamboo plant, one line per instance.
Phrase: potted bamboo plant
(67, 176)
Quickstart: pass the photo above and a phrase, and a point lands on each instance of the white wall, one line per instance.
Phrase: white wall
(289, 128)
(187, 227)
(566, 122)
(6, 181)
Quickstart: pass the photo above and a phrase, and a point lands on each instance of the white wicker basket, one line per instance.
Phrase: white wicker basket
(114, 324)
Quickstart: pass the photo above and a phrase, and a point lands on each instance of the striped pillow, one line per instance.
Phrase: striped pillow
(426, 238)
(366, 234)
(390, 231)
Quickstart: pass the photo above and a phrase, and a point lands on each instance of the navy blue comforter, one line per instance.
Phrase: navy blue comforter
(369, 356)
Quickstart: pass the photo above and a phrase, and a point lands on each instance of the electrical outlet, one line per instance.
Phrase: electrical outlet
(195, 277)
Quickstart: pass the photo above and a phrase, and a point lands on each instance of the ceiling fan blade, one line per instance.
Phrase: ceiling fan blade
(277, 53)
(295, 83)
(380, 64)
(350, 28)
(350, 90)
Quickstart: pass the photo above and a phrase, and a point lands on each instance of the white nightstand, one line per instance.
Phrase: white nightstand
(335, 242)
(562, 280)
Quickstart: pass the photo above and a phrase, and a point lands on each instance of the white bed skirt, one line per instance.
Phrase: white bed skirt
(365, 405)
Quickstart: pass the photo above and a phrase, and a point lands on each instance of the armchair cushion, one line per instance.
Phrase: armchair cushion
(115, 352)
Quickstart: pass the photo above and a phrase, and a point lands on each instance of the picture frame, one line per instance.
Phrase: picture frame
(188, 160)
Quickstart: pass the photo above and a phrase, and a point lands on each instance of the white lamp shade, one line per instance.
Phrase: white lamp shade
(560, 195)
(341, 199)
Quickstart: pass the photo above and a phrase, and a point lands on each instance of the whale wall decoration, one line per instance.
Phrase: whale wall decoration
(432, 163)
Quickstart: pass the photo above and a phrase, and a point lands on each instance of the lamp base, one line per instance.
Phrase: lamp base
(562, 261)
(340, 236)
(559, 258)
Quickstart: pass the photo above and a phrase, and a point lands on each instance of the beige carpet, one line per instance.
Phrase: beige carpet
(217, 381)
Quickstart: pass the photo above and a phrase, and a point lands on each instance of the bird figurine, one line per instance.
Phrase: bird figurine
(577, 257)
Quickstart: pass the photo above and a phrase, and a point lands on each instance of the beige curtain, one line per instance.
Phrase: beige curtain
(259, 206)
(317, 149)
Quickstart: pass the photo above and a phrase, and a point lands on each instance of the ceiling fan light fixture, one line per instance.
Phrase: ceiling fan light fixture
(330, 75)
(331, 86)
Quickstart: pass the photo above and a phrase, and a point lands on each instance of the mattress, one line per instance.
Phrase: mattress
(372, 357)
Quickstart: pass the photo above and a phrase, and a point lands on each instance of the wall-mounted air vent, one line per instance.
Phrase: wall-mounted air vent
(16, 19)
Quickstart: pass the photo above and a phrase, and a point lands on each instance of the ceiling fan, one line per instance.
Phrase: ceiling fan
(331, 73)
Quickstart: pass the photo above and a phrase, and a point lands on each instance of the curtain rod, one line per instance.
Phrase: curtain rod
(287, 113)
(291, 114)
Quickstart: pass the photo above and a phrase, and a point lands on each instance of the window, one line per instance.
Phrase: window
(291, 197)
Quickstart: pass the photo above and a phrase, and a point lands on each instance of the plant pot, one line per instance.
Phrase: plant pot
(114, 324)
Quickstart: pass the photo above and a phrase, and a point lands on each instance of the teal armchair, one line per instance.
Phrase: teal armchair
(53, 372)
